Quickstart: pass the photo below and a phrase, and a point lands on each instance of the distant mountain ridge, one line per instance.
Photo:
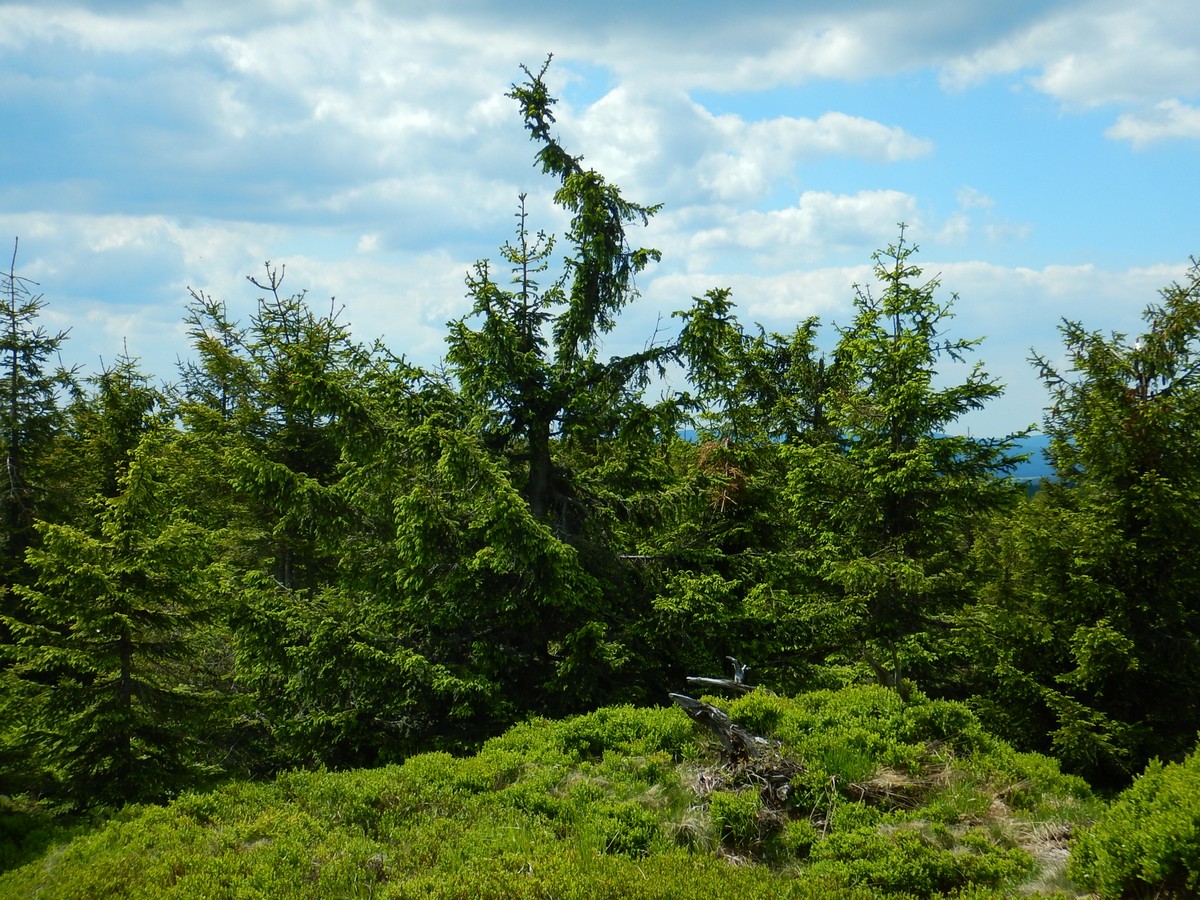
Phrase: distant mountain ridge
(1037, 466)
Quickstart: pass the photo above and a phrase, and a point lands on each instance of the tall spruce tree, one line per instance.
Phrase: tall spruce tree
(533, 364)
(586, 452)
(30, 386)
(886, 512)
(720, 549)
(1090, 626)
(312, 445)
(263, 404)
(249, 395)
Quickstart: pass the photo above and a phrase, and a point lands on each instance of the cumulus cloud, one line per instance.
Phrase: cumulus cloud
(286, 104)
(971, 198)
(778, 301)
(955, 230)
(777, 145)
(1123, 55)
(821, 223)
(1143, 57)
(975, 216)
(1092, 53)
(677, 150)
(1015, 310)
(754, 47)
(121, 282)
(1166, 120)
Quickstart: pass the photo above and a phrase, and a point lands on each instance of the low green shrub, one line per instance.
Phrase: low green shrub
(1147, 843)
(864, 795)
(917, 858)
(736, 817)
(28, 827)
(626, 828)
(798, 837)
(629, 730)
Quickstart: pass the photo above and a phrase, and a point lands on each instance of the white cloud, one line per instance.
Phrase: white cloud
(955, 230)
(819, 224)
(125, 279)
(112, 31)
(1167, 120)
(971, 198)
(405, 299)
(1016, 310)
(114, 278)
(1127, 54)
(974, 216)
(370, 146)
(1002, 231)
(1085, 54)
(779, 300)
(674, 149)
(1143, 56)
(753, 154)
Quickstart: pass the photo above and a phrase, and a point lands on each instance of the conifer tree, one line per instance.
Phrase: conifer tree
(249, 397)
(722, 541)
(533, 363)
(752, 388)
(886, 512)
(1091, 615)
(263, 404)
(102, 673)
(30, 385)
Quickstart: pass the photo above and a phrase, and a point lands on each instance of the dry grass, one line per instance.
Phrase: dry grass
(891, 789)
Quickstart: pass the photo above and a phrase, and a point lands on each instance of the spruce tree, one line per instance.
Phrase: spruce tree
(532, 364)
(102, 670)
(886, 512)
(572, 429)
(30, 387)
(1090, 626)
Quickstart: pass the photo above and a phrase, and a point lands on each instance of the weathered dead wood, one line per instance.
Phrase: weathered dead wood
(736, 740)
(727, 684)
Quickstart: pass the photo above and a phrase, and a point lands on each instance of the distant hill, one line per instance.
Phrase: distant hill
(1037, 466)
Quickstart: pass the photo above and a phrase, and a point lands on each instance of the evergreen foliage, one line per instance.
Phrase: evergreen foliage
(1089, 588)
(888, 509)
(533, 364)
(1147, 844)
(104, 694)
(30, 389)
(311, 554)
(753, 388)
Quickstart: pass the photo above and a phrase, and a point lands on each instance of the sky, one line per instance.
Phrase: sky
(1043, 156)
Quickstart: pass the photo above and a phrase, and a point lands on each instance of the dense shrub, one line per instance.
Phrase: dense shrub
(862, 796)
(1147, 844)
(918, 859)
(736, 817)
(848, 737)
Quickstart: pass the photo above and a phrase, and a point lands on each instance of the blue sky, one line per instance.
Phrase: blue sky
(1043, 155)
